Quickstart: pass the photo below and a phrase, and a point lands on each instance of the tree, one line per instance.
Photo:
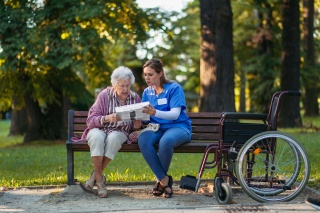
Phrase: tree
(257, 52)
(17, 19)
(262, 88)
(216, 63)
(290, 71)
(181, 53)
(53, 52)
(309, 72)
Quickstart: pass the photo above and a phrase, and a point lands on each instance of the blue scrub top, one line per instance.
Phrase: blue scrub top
(171, 97)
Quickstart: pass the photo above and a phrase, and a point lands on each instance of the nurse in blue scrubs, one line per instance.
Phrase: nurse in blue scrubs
(168, 109)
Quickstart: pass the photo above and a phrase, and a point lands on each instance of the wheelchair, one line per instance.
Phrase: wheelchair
(269, 165)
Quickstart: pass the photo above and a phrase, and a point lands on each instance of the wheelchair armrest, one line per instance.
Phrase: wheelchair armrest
(243, 115)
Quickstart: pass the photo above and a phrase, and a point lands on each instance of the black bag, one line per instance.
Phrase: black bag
(188, 182)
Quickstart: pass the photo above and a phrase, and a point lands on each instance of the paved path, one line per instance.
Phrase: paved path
(267, 208)
(138, 199)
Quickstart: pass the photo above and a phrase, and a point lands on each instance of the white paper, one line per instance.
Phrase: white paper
(133, 112)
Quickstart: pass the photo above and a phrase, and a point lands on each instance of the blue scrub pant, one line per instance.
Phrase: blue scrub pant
(167, 140)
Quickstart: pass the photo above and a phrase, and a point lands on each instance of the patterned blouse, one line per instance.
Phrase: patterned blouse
(104, 105)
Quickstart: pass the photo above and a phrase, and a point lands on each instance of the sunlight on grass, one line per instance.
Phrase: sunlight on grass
(4, 132)
(129, 167)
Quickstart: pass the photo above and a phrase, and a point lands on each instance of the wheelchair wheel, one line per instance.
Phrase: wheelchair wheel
(222, 191)
(272, 166)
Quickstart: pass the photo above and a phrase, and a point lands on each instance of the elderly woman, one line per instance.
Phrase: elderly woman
(105, 135)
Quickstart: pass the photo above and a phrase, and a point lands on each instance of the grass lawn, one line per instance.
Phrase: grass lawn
(45, 162)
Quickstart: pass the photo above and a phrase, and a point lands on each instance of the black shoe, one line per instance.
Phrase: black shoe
(315, 203)
(168, 194)
(157, 191)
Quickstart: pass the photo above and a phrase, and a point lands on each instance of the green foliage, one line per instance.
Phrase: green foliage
(56, 52)
(181, 51)
(257, 48)
(310, 75)
(15, 30)
(65, 49)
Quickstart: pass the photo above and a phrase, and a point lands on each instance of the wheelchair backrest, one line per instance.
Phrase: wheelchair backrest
(275, 107)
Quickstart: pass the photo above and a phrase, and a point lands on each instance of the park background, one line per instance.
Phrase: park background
(227, 55)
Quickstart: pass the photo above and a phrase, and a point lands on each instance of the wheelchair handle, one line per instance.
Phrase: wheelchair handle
(291, 93)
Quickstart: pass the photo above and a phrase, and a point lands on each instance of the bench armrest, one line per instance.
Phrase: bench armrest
(243, 115)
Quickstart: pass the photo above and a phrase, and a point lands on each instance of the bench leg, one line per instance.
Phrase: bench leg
(70, 166)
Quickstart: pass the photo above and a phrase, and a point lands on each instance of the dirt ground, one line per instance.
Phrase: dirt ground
(120, 197)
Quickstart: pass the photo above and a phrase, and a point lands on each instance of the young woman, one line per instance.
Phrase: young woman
(167, 108)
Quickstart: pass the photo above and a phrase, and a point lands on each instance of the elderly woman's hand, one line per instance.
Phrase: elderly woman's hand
(149, 110)
(111, 118)
(137, 124)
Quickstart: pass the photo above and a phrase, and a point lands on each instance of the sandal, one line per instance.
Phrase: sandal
(102, 189)
(91, 182)
(156, 190)
(168, 194)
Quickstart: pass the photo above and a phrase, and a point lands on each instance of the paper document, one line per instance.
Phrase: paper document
(133, 112)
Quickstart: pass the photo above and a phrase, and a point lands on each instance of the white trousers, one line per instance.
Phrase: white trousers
(105, 145)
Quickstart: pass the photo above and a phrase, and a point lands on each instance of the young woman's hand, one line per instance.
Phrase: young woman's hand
(149, 110)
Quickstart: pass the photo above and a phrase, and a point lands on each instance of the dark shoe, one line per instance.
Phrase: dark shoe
(168, 194)
(315, 203)
(156, 190)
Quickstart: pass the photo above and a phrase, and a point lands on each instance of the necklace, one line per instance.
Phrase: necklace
(158, 91)
(122, 102)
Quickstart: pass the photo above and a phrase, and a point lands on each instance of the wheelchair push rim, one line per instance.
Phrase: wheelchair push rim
(272, 166)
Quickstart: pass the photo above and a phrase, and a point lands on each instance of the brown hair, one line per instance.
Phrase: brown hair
(157, 65)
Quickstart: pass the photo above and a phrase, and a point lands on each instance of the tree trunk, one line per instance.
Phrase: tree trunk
(18, 124)
(216, 63)
(311, 82)
(311, 101)
(290, 71)
(140, 83)
(64, 126)
(33, 119)
(53, 124)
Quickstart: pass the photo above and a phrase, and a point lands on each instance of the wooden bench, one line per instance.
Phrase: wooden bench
(205, 130)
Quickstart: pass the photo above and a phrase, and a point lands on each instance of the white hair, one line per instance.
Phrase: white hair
(122, 72)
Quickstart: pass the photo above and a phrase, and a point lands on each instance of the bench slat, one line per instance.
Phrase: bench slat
(195, 129)
(213, 115)
(201, 137)
(201, 129)
(193, 147)
(80, 120)
(80, 113)
(205, 122)
(206, 136)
